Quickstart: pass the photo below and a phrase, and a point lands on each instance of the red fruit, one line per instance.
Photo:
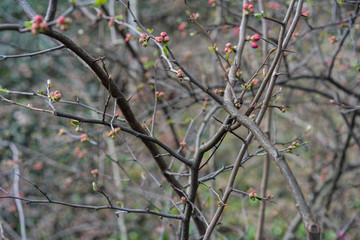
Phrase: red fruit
(38, 19)
(254, 44)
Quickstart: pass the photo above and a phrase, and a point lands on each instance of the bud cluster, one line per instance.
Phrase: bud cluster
(63, 23)
(219, 92)
(180, 74)
(229, 48)
(252, 195)
(55, 96)
(254, 82)
(332, 39)
(144, 40)
(212, 2)
(84, 137)
(283, 109)
(292, 147)
(270, 197)
(163, 38)
(129, 37)
(38, 25)
(249, 9)
(253, 40)
(95, 172)
(113, 133)
(159, 95)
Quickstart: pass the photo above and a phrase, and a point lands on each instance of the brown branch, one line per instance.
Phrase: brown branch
(123, 104)
(96, 208)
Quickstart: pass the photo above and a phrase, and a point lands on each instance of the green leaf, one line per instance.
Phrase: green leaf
(98, 3)
(28, 24)
(75, 123)
(259, 15)
(211, 48)
(357, 68)
(166, 52)
(120, 17)
(150, 30)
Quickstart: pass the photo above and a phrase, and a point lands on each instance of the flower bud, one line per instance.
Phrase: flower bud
(254, 44)
(38, 19)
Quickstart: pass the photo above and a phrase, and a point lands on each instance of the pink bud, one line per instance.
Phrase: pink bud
(43, 26)
(256, 37)
(166, 39)
(38, 19)
(64, 27)
(159, 39)
(163, 34)
(68, 20)
(228, 45)
(254, 44)
(35, 26)
(182, 26)
(60, 20)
